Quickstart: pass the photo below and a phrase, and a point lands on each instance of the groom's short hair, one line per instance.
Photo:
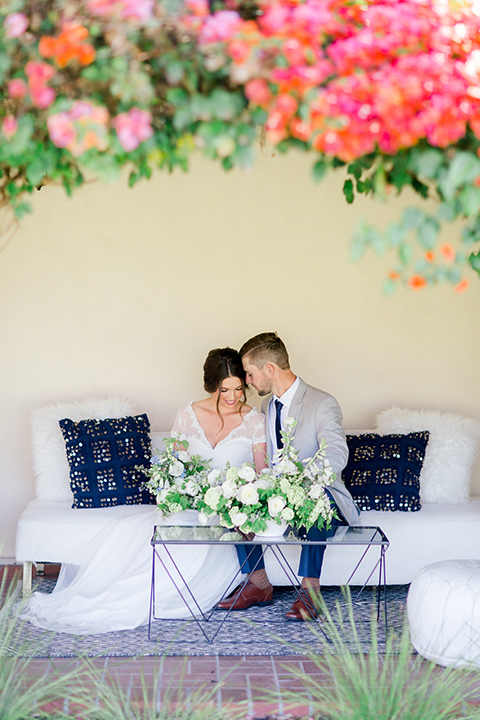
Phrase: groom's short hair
(266, 347)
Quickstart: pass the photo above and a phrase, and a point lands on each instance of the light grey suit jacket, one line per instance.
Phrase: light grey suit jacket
(318, 416)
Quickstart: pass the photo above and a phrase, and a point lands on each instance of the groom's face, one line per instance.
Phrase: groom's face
(257, 377)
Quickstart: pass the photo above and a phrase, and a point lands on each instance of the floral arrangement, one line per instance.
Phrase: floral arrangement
(290, 492)
(387, 89)
(176, 478)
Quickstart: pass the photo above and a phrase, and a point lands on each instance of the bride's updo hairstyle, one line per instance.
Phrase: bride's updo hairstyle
(220, 364)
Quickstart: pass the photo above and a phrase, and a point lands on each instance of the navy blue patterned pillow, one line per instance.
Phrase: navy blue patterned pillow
(103, 455)
(383, 471)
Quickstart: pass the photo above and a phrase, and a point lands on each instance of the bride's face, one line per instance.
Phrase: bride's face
(230, 394)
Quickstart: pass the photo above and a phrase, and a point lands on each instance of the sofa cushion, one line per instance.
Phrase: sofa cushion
(104, 458)
(383, 471)
(50, 465)
(451, 451)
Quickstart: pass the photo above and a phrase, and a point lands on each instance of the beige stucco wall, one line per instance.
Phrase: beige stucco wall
(120, 291)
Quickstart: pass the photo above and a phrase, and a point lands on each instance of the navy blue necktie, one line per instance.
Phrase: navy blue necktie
(278, 424)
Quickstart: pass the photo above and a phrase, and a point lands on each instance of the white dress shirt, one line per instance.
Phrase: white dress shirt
(286, 400)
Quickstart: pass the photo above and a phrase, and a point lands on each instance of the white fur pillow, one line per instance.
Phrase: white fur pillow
(52, 481)
(451, 450)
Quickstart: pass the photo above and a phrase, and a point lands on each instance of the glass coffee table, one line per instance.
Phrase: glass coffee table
(367, 539)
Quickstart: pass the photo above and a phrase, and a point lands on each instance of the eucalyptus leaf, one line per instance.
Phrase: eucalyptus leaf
(474, 260)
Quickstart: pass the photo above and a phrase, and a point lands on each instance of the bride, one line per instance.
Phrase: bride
(112, 592)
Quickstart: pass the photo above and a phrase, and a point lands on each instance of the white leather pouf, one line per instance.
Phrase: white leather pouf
(443, 607)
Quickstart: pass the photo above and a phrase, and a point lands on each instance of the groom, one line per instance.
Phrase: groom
(318, 415)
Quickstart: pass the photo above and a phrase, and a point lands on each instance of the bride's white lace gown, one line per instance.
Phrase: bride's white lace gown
(112, 592)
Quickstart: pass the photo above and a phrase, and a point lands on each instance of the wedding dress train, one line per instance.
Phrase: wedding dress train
(112, 592)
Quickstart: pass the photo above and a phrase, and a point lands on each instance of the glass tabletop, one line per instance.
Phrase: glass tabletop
(211, 535)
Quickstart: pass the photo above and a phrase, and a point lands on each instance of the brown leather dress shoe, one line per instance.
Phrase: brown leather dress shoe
(303, 608)
(250, 595)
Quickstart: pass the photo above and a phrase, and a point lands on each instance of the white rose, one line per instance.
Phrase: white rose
(212, 497)
(248, 494)
(290, 422)
(247, 473)
(276, 505)
(231, 473)
(203, 518)
(316, 491)
(213, 476)
(229, 488)
(237, 517)
(191, 488)
(287, 514)
(176, 468)
(183, 456)
(263, 483)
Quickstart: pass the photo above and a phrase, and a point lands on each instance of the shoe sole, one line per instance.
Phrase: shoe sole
(260, 604)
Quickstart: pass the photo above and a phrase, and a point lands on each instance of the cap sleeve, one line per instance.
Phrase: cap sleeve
(258, 427)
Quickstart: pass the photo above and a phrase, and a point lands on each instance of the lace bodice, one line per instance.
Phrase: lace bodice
(236, 447)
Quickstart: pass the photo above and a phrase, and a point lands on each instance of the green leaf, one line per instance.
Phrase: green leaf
(348, 191)
(319, 170)
(427, 233)
(470, 200)
(389, 287)
(448, 211)
(5, 63)
(356, 170)
(474, 260)
(41, 166)
(21, 140)
(177, 96)
(22, 209)
(412, 217)
(105, 167)
(426, 162)
(405, 253)
(396, 234)
(464, 168)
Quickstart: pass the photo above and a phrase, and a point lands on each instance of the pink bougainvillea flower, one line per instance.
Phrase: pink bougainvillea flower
(133, 127)
(15, 24)
(220, 27)
(38, 73)
(17, 88)
(141, 10)
(60, 129)
(9, 126)
(43, 97)
(258, 92)
(83, 127)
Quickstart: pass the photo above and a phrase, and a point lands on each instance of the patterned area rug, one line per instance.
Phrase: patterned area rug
(256, 631)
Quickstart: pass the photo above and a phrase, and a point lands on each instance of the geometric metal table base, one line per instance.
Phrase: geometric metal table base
(165, 536)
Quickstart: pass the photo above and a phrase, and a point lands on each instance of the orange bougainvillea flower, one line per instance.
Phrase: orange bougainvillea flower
(417, 282)
(69, 46)
(393, 275)
(429, 256)
(461, 286)
(448, 252)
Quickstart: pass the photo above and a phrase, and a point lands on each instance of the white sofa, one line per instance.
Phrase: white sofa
(51, 531)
